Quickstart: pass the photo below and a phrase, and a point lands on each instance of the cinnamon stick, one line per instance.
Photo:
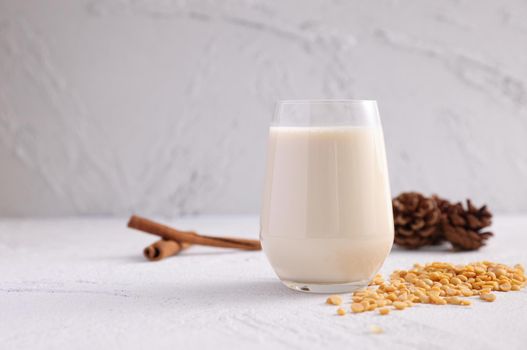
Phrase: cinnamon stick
(163, 248)
(169, 233)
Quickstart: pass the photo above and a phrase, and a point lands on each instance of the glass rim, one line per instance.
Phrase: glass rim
(326, 112)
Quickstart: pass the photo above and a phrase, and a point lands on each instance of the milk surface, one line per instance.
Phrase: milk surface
(326, 214)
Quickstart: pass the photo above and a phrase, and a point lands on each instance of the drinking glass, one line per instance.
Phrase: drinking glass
(326, 222)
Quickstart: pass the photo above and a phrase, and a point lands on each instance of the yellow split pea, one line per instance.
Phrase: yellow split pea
(334, 300)
(436, 283)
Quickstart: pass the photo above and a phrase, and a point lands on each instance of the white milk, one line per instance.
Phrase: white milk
(326, 214)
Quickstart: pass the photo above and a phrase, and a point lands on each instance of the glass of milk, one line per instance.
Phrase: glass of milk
(326, 218)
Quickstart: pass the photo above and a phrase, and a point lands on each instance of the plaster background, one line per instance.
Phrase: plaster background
(162, 107)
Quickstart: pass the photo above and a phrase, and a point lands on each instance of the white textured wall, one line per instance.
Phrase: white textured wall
(162, 106)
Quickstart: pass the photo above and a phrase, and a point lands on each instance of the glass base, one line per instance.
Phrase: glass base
(326, 288)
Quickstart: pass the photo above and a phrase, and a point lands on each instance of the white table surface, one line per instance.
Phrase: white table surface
(83, 284)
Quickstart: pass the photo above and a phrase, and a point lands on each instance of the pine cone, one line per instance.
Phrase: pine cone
(462, 227)
(416, 220)
(442, 204)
